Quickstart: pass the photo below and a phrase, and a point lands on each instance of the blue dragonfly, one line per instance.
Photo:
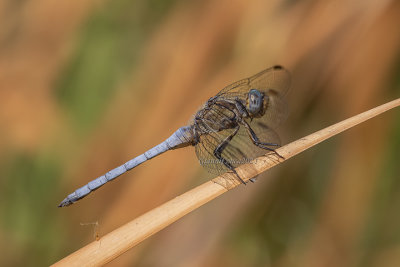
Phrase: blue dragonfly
(233, 127)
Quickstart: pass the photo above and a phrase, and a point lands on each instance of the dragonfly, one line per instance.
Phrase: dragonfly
(232, 128)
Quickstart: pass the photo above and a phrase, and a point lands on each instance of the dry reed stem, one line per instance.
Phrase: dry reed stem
(120, 240)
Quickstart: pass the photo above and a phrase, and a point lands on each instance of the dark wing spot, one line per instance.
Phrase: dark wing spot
(273, 92)
(262, 125)
(277, 67)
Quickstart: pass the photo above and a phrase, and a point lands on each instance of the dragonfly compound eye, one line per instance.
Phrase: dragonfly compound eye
(255, 101)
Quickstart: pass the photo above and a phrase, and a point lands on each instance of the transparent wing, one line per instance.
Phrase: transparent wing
(275, 78)
(240, 149)
(205, 151)
(274, 82)
(239, 89)
(276, 113)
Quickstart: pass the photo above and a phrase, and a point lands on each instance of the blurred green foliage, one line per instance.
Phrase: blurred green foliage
(110, 44)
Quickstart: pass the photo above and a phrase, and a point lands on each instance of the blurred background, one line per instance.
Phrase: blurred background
(87, 85)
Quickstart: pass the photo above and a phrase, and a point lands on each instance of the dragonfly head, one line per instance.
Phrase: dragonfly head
(255, 102)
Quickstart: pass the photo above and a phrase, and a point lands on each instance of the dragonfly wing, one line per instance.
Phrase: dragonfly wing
(239, 89)
(276, 78)
(205, 151)
(274, 82)
(276, 112)
(240, 149)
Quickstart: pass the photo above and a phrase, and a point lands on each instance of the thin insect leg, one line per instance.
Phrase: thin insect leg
(218, 151)
(255, 139)
(229, 153)
(210, 150)
(257, 142)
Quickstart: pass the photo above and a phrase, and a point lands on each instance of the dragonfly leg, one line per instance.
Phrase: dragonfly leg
(257, 142)
(220, 148)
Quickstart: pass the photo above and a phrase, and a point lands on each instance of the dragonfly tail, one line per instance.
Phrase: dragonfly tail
(182, 137)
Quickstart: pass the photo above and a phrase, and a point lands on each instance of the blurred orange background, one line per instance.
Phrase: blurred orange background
(87, 85)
